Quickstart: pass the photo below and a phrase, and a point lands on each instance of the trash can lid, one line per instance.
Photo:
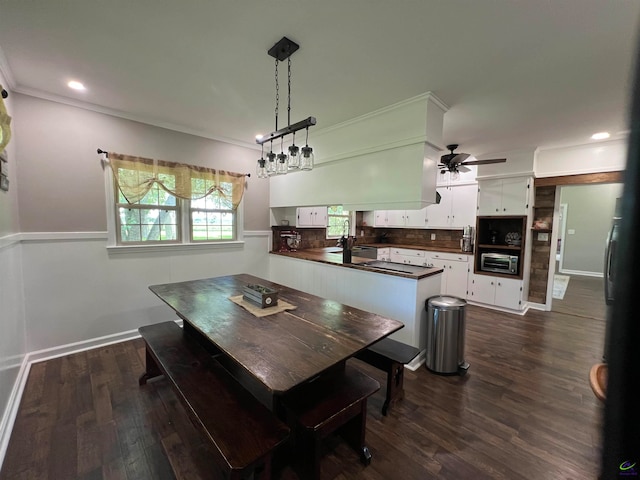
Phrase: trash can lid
(446, 301)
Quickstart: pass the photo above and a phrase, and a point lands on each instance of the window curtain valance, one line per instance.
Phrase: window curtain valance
(135, 176)
(5, 125)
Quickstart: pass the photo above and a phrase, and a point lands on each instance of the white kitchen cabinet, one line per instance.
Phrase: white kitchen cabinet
(496, 291)
(457, 207)
(396, 218)
(380, 218)
(408, 256)
(384, 254)
(416, 218)
(311, 217)
(455, 272)
(504, 196)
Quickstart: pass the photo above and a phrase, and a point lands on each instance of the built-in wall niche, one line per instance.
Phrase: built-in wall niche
(500, 234)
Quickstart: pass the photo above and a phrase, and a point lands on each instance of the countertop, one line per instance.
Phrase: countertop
(327, 255)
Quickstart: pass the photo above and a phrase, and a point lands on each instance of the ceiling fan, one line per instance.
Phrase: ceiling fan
(455, 162)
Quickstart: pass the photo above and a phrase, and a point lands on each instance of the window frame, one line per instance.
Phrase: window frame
(184, 222)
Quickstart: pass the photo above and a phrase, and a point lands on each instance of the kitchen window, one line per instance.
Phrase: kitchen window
(160, 203)
(338, 221)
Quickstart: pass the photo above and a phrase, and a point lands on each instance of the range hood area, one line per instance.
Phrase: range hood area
(382, 160)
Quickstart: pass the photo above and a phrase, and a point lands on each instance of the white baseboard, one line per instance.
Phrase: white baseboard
(500, 309)
(414, 364)
(11, 411)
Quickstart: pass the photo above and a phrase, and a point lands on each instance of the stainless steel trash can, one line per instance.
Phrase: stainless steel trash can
(445, 335)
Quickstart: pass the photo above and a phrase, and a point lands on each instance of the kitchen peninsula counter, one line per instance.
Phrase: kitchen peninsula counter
(396, 295)
(329, 256)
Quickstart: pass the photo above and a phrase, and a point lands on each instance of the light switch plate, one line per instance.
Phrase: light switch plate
(571, 231)
(543, 237)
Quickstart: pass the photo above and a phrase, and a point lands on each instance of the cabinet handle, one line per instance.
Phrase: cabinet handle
(499, 284)
(497, 210)
(491, 283)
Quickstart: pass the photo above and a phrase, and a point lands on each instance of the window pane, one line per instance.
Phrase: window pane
(129, 216)
(151, 198)
(150, 233)
(213, 218)
(130, 233)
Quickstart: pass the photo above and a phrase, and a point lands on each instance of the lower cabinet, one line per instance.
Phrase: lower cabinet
(496, 291)
(455, 272)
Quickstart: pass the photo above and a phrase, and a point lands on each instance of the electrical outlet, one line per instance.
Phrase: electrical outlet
(433, 236)
(543, 237)
(571, 231)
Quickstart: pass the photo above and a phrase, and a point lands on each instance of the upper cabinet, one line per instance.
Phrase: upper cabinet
(311, 217)
(504, 196)
(456, 209)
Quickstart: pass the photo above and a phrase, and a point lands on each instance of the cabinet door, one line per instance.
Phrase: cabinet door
(320, 216)
(439, 214)
(490, 197)
(305, 217)
(483, 289)
(508, 293)
(395, 218)
(416, 218)
(457, 275)
(515, 195)
(439, 263)
(463, 208)
(380, 218)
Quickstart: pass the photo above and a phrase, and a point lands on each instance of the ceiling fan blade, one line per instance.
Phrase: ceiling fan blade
(462, 168)
(486, 162)
(459, 158)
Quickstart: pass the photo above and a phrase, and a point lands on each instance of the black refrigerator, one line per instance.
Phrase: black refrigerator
(610, 276)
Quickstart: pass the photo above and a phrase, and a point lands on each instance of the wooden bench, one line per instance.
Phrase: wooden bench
(334, 401)
(242, 430)
(390, 356)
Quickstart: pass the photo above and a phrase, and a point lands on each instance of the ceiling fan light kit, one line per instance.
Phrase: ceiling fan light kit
(457, 162)
(297, 158)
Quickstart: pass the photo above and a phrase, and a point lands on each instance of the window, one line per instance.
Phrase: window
(338, 221)
(159, 202)
(153, 219)
(213, 217)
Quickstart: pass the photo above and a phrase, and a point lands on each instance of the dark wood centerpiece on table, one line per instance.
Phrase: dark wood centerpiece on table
(260, 295)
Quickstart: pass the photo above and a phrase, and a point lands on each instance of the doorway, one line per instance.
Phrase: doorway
(584, 216)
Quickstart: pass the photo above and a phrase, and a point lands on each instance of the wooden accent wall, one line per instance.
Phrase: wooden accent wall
(545, 198)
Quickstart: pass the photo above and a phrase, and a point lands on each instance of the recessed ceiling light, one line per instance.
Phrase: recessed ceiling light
(76, 85)
(600, 135)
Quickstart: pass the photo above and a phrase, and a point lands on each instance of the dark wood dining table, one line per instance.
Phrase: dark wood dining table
(273, 354)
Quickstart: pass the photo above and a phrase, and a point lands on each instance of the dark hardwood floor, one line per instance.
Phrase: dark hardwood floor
(584, 298)
(524, 411)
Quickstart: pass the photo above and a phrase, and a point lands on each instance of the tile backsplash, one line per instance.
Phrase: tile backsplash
(316, 237)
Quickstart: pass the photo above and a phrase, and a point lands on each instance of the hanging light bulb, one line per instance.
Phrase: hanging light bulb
(261, 168)
(271, 163)
(455, 175)
(282, 165)
(306, 158)
(294, 158)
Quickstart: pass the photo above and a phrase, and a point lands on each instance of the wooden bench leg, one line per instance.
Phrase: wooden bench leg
(395, 385)
(151, 367)
(354, 433)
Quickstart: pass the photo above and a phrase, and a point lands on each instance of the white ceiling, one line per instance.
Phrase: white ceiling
(515, 73)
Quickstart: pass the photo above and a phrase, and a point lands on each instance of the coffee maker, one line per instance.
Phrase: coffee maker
(289, 240)
(466, 244)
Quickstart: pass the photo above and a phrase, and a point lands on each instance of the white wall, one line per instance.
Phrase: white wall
(12, 318)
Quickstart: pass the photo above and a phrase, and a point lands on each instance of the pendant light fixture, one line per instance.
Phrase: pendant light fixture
(297, 158)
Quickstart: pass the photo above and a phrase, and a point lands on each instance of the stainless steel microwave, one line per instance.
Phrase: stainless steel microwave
(499, 263)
